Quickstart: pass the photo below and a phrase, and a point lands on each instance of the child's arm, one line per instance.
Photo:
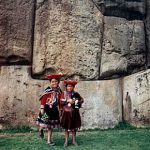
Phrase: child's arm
(42, 111)
(80, 99)
(43, 102)
(63, 101)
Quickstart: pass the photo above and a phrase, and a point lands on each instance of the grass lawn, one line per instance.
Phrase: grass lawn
(136, 139)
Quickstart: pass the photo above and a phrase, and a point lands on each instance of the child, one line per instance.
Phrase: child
(49, 114)
(71, 102)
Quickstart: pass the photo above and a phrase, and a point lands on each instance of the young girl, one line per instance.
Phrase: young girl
(71, 102)
(49, 114)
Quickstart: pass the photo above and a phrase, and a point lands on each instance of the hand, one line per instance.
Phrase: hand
(71, 101)
(69, 104)
(42, 111)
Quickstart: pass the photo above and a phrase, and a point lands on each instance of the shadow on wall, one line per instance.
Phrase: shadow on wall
(135, 116)
(128, 108)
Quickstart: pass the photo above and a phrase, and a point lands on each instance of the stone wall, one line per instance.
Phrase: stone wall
(78, 38)
(16, 27)
(19, 96)
(136, 98)
(123, 46)
(102, 106)
(91, 41)
(20, 104)
(103, 100)
(68, 37)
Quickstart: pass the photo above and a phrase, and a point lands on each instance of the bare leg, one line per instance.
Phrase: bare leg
(41, 132)
(74, 138)
(40, 128)
(49, 136)
(66, 138)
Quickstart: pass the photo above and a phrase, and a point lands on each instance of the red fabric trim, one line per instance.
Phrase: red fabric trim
(70, 82)
(54, 76)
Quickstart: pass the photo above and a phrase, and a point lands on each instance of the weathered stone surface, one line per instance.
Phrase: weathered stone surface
(123, 47)
(137, 101)
(102, 106)
(130, 9)
(68, 38)
(16, 19)
(19, 99)
(148, 33)
(19, 96)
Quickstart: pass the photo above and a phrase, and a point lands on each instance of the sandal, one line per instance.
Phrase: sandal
(65, 144)
(75, 143)
(51, 144)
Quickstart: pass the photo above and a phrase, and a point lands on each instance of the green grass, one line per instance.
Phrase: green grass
(124, 126)
(22, 129)
(137, 139)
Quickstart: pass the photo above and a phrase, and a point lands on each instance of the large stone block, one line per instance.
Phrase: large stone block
(68, 37)
(16, 25)
(148, 33)
(129, 9)
(123, 47)
(19, 96)
(102, 106)
(136, 98)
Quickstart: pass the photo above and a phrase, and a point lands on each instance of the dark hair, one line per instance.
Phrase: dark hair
(69, 84)
(55, 79)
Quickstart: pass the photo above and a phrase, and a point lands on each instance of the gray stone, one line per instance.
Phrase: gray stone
(102, 107)
(19, 96)
(148, 33)
(19, 99)
(123, 47)
(16, 21)
(129, 9)
(68, 37)
(136, 98)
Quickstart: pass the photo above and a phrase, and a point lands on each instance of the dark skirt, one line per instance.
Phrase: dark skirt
(50, 119)
(71, 119)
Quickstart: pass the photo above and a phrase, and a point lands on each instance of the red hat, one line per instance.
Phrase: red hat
(70, 82)
(54, 76)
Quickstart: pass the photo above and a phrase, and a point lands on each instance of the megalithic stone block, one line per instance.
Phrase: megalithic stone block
(102, 107)
(68, 38)
(124, 49)
(19, 96)
(16, 28)
(148, 33)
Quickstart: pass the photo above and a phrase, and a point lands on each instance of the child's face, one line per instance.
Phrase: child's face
(54, 83)
(70, 88)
